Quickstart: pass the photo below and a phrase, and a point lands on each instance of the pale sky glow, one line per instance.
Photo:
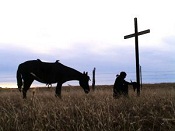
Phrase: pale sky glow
(75, 31)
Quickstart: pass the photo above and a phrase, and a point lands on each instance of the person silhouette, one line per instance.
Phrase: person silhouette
(121, 86)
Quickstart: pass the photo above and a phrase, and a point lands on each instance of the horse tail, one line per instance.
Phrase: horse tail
(19, 77)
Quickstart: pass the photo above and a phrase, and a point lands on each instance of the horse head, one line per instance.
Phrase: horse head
(84, 82)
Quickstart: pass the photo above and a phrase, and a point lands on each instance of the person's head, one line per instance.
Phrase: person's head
(123, 74)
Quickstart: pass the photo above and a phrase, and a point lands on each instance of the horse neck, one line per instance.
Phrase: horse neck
(71, 74)
(75, 75)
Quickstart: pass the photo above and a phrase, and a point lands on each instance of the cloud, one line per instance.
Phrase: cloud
(87, 34)
(81, 55)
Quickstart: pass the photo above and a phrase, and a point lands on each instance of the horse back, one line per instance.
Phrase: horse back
(41, 71)
(48, 72)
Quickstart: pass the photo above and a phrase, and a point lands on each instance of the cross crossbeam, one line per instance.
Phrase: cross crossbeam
(136, 34)
(139, 33)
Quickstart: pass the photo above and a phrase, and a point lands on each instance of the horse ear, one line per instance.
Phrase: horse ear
(86, 73)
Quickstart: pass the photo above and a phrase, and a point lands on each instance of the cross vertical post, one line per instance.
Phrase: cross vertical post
(136, 34)
(137, 55)
(93, 79)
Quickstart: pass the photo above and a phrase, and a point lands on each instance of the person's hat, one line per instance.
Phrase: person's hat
(122, 73)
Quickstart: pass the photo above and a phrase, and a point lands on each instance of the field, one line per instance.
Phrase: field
(97, 111)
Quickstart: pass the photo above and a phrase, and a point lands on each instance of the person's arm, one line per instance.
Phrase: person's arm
(128, 83)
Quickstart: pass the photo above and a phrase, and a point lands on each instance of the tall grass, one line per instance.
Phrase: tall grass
(97, 111)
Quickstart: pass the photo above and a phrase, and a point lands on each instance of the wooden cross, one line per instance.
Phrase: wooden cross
(136, 34)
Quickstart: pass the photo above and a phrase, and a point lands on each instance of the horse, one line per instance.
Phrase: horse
(48, 73)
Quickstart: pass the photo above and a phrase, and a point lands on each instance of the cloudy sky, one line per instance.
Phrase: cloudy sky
(84, 34)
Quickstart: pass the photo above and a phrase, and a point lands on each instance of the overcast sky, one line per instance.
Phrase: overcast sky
(87, 34)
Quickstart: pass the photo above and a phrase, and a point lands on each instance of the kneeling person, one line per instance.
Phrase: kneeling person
(121, 86)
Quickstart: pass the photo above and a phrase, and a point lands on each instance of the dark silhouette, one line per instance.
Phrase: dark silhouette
(93, 79)
(121, 86)
(136, 34)
(49, 73)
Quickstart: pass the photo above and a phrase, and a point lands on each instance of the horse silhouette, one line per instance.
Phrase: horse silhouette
(48, 73)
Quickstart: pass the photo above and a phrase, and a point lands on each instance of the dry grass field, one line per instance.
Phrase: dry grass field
(154, 110)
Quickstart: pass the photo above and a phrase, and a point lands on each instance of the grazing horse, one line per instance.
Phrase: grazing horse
(48, 73)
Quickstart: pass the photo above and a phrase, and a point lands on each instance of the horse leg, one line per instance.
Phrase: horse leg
(58, 90)
(27, 84)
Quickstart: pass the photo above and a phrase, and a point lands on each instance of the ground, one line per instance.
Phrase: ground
(153, 110)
